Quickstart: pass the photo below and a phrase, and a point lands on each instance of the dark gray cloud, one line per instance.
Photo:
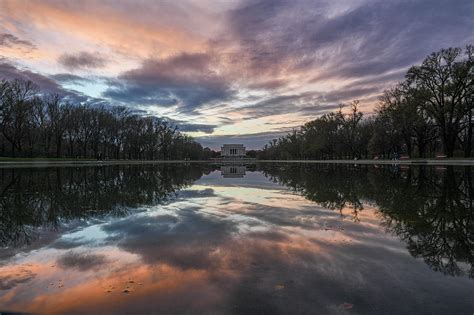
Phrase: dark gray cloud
(206, 128)
(268, 84)
(191, 127)
(185, 80)
(69, 243)
(371, 38)
(343, 95)
(46, 84)
(311, 104)
(82, 60)
(9, 40)
(376, 81)
(70, 78)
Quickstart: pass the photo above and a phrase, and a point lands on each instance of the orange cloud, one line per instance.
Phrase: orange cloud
(95, 23)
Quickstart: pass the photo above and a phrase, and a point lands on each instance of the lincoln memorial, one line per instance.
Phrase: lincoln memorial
(233, 151)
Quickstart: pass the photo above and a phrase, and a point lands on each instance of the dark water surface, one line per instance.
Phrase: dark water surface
(264, 239)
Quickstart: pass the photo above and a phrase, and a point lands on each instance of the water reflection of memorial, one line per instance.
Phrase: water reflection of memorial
(233, 171)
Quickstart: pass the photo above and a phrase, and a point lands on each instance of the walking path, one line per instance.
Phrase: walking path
(386, 162)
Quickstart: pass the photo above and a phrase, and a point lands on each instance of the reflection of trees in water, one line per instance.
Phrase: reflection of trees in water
(430, 209)
(331, 186)
(43, 198)
(438, 222)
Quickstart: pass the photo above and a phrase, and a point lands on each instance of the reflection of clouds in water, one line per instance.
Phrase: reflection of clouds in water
(186, 240)
(81, 261)
(11, 277)
(87, 235)
(219, 248)
(195, 193)
(152, 289)
(332, 263)
(69, 243)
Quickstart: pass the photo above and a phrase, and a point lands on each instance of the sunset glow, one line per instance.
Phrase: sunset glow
(239, 71)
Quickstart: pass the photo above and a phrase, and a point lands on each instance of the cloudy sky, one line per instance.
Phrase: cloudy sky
(226, 70)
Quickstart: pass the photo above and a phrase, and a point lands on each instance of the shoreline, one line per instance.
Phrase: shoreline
(69, 163)
(459, 162)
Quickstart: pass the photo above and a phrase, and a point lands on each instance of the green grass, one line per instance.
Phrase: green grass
(45, 159)
(28, 159)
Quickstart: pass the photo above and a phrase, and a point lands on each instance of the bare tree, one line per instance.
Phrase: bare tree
(443, 81)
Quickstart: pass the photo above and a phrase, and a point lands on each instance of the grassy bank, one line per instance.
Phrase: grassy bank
(29, 159)
(42, 162)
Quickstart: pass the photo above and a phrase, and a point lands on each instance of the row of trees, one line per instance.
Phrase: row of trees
(37, 125)
(428, 113)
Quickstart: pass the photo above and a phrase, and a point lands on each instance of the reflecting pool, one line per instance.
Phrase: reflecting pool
(219, 239)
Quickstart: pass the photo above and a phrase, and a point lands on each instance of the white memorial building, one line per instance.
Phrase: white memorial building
(233, 151)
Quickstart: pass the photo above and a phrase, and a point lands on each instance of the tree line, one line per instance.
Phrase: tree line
(427, 114)
(33, 124)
